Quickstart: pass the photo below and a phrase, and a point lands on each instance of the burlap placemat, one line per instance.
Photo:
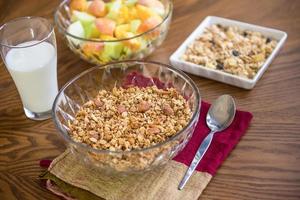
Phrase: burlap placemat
(159, 184)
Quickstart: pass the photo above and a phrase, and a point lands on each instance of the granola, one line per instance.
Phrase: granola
(230, 49)
(130, 118)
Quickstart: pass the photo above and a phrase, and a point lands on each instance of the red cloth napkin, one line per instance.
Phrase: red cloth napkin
(222, 143)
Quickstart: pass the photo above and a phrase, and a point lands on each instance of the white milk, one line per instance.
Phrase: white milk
(34, 72)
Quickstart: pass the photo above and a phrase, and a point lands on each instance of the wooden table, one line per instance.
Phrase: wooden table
(264, 165)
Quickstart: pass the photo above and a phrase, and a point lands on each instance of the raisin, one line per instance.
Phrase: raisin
(212, 42)
(235, 53)
(220, 65)
(245, 34)
(268, 40)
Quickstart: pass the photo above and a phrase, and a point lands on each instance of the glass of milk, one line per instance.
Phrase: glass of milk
(28, 49)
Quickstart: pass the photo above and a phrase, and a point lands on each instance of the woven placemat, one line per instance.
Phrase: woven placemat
(158, 184)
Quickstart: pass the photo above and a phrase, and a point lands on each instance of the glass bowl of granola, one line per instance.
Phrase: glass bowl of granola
(108, 31)
(127, 117)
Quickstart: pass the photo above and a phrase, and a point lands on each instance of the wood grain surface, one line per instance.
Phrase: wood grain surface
(264, 165)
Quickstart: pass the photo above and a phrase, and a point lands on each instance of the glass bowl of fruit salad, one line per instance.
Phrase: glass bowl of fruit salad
(106, 31)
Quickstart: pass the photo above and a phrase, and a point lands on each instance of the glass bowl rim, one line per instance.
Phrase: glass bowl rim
(194, 117)
(51, 31)
(101, 41)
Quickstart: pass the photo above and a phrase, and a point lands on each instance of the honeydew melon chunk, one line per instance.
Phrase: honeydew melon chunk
(127, 52)
(114, 9)
(76, 29)
(108, 5)
(159, 11)
(83, 17)
(130, 2)
(144, 44)
(112, 49)
(88, 23)
(134, 25)
(88, 3)
(91, 31)
(114, 5)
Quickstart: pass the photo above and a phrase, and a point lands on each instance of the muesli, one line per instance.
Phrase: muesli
(230, 49)
(130, 118)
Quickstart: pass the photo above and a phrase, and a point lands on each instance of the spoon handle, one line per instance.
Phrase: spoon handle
(199, 154)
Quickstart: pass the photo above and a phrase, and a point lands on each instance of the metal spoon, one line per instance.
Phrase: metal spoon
(220, 115)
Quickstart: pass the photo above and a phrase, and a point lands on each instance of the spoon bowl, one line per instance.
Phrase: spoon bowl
(221, 114)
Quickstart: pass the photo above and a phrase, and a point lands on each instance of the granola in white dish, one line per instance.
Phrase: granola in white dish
(230, 49)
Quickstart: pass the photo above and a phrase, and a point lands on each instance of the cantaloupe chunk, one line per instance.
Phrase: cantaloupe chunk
(155, 5)
(92, 48)
(105, 26)
(80, 5)
(149, 23)
(97, 8)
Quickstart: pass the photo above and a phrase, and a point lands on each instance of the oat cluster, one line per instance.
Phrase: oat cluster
(132, 118)
(230, 49)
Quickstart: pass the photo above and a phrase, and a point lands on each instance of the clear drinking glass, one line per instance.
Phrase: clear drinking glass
(28, 49)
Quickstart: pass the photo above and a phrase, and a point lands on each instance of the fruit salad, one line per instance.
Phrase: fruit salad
(113, 22)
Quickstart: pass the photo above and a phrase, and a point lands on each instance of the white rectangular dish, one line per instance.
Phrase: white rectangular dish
(218, 75)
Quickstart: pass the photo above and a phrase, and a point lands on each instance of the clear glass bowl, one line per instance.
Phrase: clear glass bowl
(147, 41)
(86, 85)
